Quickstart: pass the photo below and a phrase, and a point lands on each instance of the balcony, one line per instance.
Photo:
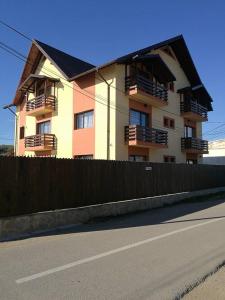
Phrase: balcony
(194, 111)
(40, 142)
(136, 135)
(40, 105)
(194, 145)
(139, 88)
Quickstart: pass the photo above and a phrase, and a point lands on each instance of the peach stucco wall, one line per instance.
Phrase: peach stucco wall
(138, 151)
(84, 100)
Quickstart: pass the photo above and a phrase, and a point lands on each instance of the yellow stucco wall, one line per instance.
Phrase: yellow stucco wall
(62, 119)
(172, 110)
(101, 113)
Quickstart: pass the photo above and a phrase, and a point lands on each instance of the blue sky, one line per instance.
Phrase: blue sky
(98, 31)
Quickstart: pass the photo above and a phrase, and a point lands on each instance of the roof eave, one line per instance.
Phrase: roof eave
(51, 60)
(95, 69)
(120, 59)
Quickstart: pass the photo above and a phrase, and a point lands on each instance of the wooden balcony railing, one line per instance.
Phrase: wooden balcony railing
(194, 145)
(146, 86)
(44, 141)
(41, 101)
(146, 135)
(194, 107)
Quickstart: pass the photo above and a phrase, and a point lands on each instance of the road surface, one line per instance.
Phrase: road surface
(150, 255)
(212, 288)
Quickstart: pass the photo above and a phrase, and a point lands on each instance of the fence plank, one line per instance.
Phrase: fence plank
(29, 185)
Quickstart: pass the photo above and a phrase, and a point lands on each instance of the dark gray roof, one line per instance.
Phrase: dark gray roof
(69, 65)
(182, 53)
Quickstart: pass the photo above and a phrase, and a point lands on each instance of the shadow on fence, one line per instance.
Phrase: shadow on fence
(29, 185)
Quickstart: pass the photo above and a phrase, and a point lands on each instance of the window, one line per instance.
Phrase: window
(22, 132)
(189, 131)
(43, 127)
(138, 118)
(169, 159)
(88, 156)
(168, 122)
(137, 158)
(84, 120)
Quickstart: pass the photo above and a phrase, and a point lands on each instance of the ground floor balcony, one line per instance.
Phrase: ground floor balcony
(40, 142)
(194, 145)
(194, 111)
(140, 88)
(136, 135)
(40, 105)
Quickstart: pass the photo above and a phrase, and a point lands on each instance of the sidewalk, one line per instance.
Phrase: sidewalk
(212, 289)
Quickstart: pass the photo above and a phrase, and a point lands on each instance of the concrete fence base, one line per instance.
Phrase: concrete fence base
(20, 226)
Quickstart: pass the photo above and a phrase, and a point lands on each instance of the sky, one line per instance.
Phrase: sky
(99, 31)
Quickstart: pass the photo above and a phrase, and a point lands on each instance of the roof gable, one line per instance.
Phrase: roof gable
(69, 65)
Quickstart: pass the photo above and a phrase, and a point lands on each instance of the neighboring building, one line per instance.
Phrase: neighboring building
(147, 105)
(216, 155)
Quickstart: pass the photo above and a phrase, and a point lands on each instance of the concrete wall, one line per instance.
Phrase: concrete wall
(15, 227)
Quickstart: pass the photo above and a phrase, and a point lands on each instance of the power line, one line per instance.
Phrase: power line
(15, 30)
(215, 128)
(23, 58)
(28, 38)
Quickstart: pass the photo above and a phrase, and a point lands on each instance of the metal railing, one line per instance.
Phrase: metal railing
(146, 86)
(146, 134)
(192, 106)
(41, 101)
(191, 143)
(46, 140)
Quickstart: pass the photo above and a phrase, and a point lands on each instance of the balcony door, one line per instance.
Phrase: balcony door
(138, 118)
(189, 132)
(44, 127)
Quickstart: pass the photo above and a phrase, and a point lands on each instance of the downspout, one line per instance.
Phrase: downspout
(108, 113)
(16, 121)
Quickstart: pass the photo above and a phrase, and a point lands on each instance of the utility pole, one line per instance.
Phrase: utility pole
(108, 113)
(16, 118)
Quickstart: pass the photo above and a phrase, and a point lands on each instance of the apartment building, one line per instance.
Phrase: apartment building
(216, 154)
(147, 105)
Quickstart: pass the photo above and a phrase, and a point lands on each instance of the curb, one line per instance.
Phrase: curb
(20, 226)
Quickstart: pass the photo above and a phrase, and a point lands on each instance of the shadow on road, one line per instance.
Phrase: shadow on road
(165, 215)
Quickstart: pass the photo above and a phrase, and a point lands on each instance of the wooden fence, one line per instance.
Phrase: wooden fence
(30, 185)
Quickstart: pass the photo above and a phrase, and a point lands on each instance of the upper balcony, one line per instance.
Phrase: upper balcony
(138, 87)
(136, 135)
(194, 145)
(40, 142)
(43, 89)
(40, 105)
(194, 111)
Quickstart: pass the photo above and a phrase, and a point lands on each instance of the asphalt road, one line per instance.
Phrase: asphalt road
(150, 255)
